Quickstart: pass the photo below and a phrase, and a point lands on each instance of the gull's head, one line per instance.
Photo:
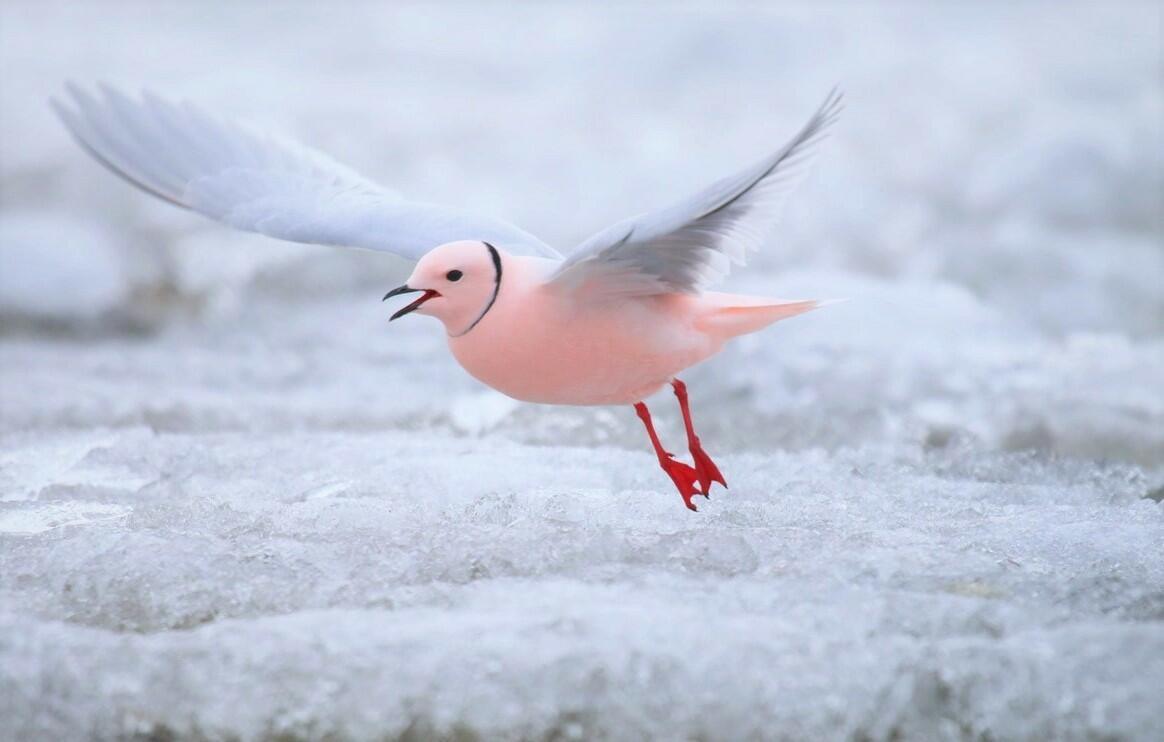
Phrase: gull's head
(458, 283)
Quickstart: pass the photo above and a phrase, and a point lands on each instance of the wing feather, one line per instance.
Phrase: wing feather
(261, 183)
(693, 243)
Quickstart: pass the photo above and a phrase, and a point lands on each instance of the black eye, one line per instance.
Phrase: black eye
(454, 275)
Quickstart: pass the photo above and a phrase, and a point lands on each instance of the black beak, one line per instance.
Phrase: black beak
(406, 289)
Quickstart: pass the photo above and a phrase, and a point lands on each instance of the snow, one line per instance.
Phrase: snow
(236, 503)
(58, 269)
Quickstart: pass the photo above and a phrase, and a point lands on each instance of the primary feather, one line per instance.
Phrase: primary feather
(687, 246)
(261, 183)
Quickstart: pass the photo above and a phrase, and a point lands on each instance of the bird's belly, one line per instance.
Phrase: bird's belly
(589, 359)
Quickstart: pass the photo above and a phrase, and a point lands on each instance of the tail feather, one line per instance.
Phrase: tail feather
(729, 315)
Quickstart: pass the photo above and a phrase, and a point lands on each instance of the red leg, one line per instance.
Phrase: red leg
(705, 468)
(681, 474)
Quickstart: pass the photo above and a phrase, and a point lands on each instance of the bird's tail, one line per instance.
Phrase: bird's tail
(732, 315)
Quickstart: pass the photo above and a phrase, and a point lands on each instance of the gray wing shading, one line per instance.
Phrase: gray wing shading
(687, 246)
(261, 183)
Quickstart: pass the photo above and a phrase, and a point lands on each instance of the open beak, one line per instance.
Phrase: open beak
(406, 289)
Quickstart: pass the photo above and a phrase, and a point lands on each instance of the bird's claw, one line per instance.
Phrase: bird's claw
(684, 477)
(706, 471)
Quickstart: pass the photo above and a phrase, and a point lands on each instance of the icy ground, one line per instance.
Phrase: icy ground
(235, 503)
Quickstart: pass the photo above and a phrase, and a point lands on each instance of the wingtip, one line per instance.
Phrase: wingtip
(70, 91)
(65, 110)
(83, 99)
(834, 103)
(57, 106)
(153, 99)
(113, 96)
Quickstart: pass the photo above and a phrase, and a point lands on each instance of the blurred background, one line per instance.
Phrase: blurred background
(990, 204)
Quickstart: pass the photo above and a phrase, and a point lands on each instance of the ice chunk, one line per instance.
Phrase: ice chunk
(30, 519)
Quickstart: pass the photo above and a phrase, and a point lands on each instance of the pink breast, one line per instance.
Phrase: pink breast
(545, 349)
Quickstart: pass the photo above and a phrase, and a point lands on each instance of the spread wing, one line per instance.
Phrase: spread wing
(261, 183)
(687, 246)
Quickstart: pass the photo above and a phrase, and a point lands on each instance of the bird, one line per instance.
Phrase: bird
(611, 323)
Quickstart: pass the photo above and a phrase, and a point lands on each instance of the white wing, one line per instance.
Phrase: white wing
(260, 183)
(686, 246)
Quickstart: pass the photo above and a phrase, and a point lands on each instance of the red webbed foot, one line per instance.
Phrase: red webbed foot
(681, 474)
(706, 472)
(684, 477)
